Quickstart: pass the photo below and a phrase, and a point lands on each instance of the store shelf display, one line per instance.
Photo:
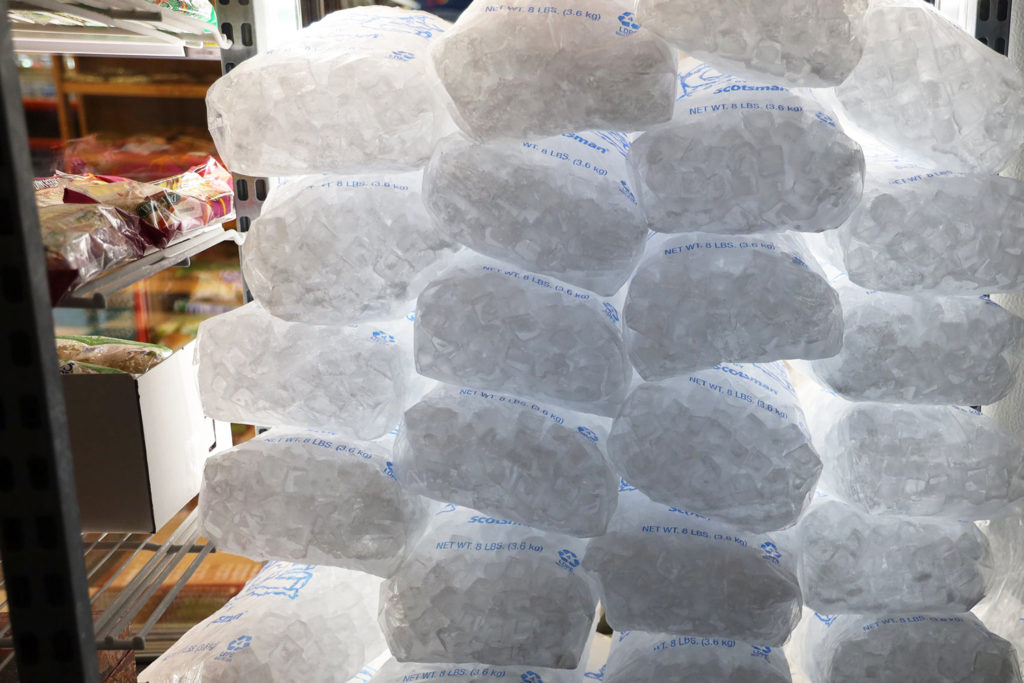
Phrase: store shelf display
(728, 553)
(640, 444)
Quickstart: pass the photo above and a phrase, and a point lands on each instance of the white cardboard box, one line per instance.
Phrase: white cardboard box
(139, 444)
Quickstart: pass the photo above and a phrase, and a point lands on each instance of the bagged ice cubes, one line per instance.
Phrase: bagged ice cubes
(637, 656)
(394, 671)
(909, 648)
(728, 442)
(291, 622)
(560, 206)
(342, 249)
(310, 496)
(523, 70)
(815, 44)
(921, 349)
(928, 89)
(347, 94)
(855, 563)
(488, 590)
(668, 570)
(921, 230)
(508, 457)
(922, 461)
(1002, 608)
(700, 299)
(488, 327)
(257, 369)
(741, 157)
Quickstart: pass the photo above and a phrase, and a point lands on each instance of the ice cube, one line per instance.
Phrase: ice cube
(637, 656)
(728, 442)
(854, 563)
(348, 94)
(488, 590)
(487, 327)
(668, 570)
(291, 622)
(522, 70)
(928, 89)
(343, 249)
(908, 648)
(560, 206)
(509, 457)
(257, 369)
(701, 299)
(811, 43)
(742, 157)
(310, 496)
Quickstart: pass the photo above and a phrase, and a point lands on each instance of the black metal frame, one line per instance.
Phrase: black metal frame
(40, 543)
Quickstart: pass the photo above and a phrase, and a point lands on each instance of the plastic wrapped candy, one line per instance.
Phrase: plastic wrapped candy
(728, 442)
(522, 70)
(257, 369)
(290, 622)
(488, 590)
(343, 249)
(310, 496)
(350, 94)
(508, 457)
(740, 157)
(560, 206)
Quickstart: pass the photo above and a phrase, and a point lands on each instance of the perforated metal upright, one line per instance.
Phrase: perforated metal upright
(237, 20)
(40, 542)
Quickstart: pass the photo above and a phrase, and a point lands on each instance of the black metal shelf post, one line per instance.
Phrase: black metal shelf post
(40, 543)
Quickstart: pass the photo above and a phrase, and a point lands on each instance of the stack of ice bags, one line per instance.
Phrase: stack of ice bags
(310, 496)
(637, 656)
(483, 589)
(535, 357)
(291, 622)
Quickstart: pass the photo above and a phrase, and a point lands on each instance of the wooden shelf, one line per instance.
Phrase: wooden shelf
(170, 90)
